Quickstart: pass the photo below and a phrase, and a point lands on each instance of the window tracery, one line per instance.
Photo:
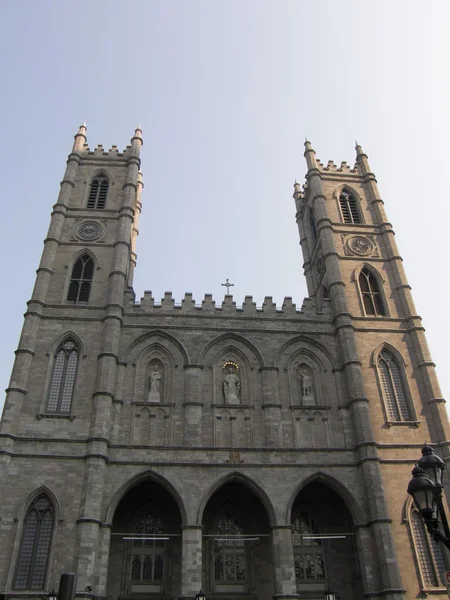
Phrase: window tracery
(81, 280)
(428, 552)
(308, 548)
(62, 383)
(395, 397)
(98, 192)
(148, 554)
(370, 293)
(32, 562)
(349, 208)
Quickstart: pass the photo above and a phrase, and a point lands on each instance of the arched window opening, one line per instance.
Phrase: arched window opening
(148, 554)
(229, 554)
(62, 383)
(308, 549)
(98, 192)
(393, 390)
(34, 550)
(428, 552)
(349, 208)
(368, 285)
(81, 280)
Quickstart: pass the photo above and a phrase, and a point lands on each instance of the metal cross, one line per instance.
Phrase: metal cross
(227, 284)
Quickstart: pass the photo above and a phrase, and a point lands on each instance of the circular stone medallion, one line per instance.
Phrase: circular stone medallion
(89, 230)
(360, 245)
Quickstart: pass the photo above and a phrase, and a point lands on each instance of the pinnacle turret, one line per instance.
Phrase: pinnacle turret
(80, 138)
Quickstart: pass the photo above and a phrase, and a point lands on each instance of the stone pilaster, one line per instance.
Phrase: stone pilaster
(191, 561)
(193, 406)
(271, 406)
(283, 558)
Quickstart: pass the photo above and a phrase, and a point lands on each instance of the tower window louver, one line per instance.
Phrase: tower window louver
(98, 192)
(349, 208)
(371, 297)
(81, 280)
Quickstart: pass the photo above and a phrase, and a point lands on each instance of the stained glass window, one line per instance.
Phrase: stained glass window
(429, 553)
(229, 554)
(148, 555)
(34, 550)
(98, 192)
(62, 383)
(308, 549)
(393, 391)
(81, 280)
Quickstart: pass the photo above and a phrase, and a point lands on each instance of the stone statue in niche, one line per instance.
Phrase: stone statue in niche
(306, 383)
(154, 385)
(231, 386)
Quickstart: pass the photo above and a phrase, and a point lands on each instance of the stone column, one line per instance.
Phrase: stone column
(191, 561)
(193, 406)
(271, 406)
(283, 558)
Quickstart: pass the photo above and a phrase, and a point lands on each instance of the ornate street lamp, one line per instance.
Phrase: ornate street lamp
(52, 595)
(200, 596)
(426, 489)
(330, 596)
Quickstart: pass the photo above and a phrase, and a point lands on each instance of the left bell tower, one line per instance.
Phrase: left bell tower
(88, 258)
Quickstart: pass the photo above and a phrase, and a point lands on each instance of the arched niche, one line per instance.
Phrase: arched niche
(154, 375)
(306, 374)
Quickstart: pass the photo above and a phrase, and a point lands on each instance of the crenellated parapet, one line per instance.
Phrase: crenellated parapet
(99, 152)
(228, 307)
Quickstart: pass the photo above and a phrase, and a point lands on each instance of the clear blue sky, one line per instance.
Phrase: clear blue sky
(226, 92)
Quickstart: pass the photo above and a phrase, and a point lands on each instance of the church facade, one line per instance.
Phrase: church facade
(160, 449)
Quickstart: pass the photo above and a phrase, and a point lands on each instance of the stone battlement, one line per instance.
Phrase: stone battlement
(343, 168)
(113, 152)
(227, 307)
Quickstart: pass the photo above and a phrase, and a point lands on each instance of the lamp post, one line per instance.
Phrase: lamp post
(200, 596)
(52, 595)
(330, 596)
(426, 489)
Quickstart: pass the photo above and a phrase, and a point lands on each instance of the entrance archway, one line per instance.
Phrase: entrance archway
(237, 545)
(324, 544)
(145, 550)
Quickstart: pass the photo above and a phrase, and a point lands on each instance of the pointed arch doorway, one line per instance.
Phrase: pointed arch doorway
(145, 551)
(324, 544)
(237, 545)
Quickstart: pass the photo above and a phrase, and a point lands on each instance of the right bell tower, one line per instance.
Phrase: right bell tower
(355, 274)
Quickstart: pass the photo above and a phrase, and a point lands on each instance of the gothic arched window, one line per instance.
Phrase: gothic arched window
(370, 293)
(428, 552)
(148, 554)
(62, 383)
(229, 560)
(349, 208)
(308, 549)
(98, 192)
(81, 280)
(395, 398)
(32, 562)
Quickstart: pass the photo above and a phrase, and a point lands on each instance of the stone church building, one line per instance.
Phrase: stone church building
(160, 448)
